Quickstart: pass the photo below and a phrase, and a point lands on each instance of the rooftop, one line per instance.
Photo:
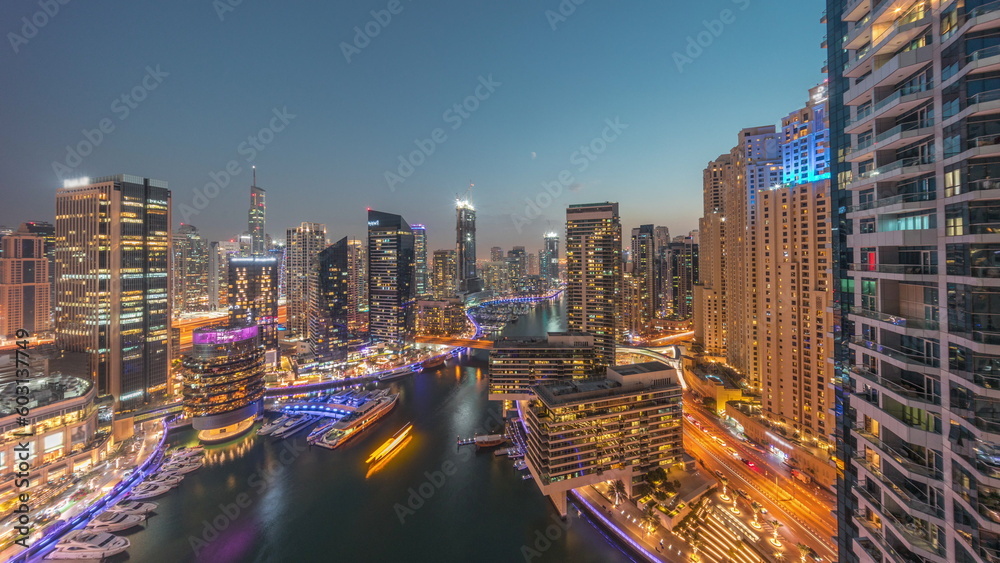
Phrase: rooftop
(43, 391)
(644, 367)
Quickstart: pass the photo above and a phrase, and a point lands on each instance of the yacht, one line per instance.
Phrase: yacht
(399, 372)
(320, 431)
(84, 544)
(269, 427)
(133, 507)
(354, 423)
(181, 468)
(290, 428)
(520, 464)
(164, 478)
(115, 522)
(148, 490)
(184, 451)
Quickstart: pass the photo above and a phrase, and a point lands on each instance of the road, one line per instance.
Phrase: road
(806, 514)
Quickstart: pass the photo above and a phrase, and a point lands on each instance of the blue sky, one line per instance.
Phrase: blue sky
(218, 76)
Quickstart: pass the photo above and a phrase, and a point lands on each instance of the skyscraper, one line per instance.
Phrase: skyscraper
(682, 273)
(256, 218)
(594, 270)
(190, 271)
(710, 319)
(390, 277)
(253, 297)
(661, 282)
(465, 231)
(420, 259)
(496, 254)
(113, 283)
(24, 285)
(913, 150)
(218, 271)
(47, 231)
(329, 316)
(445, 274)
(357, 288)
(548, 263)
(302, 245)
(644, 272)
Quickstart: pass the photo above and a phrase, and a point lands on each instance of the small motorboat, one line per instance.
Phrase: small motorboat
(133, 507)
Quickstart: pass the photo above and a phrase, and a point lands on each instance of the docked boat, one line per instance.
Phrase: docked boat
(391, 444)
(526, 476)
(436, 361)
(148, 490)
(490, 441)
(181, 468)
(320, 431)
(115, 521)
(275, 424)
(520, 464)
(185, 451)
(297, 424)
(356, 422)
(133, 507)
(84, 544)
(165, 478)
(399, 372)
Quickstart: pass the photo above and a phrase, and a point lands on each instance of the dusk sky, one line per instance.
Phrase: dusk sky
(208, 78)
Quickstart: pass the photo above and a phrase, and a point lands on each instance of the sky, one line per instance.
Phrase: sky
(397, 105)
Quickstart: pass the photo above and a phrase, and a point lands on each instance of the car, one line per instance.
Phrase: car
(749, 463)
(718, 474)
(814, 556)
(742, 493)
(758, 507)
(705, 430)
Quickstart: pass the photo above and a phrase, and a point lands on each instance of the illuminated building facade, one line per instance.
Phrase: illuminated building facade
(587, 431)
(256, 218)
(465, 231)
(390, 277)
(548, 260)
(113, 283)
(24, 285)
(421, 277)
(594, 273)
(445, 272)
(329, 314)
(441, 318)
(643, 270)
(302, 245)
(710, 300)
(518, 363)
(253, 297)
(224, 380)
(357, 287)
(190, 271)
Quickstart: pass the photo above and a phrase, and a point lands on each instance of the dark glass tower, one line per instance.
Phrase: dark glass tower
(328, 316)
(465, 231)
(548, 261)
(255, 218)
(391, 287)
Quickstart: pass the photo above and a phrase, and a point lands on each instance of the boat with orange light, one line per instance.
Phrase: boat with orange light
(359, 420)
(391, 444)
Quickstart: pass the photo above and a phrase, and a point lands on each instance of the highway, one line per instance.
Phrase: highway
(806, 514)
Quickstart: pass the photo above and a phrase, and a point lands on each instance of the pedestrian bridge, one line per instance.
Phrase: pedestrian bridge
(458, 342)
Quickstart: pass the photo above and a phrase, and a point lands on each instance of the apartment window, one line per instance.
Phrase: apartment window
(866, 226)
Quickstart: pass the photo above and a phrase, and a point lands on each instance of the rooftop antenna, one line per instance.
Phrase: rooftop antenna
(255, 175)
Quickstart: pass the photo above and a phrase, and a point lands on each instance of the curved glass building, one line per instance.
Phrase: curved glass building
(224, 380)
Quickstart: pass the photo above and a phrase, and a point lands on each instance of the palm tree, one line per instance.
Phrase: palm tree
(776, 525)
(804, 551)
(617, 491)
(650, 519)
(695, 543)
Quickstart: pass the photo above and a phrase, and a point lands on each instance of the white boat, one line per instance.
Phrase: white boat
(181, 468)
(520, 464)
(115, 521)
(352, 424)
(133, 507)
(84, 544)
(397, 373)
(148, 490)
(185, 451)
(299, 423)
(320, 431)
(164, 478)
(275, 424)
(290, 420)
(526, 476)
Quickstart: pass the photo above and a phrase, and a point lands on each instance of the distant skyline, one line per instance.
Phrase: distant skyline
(327, 99)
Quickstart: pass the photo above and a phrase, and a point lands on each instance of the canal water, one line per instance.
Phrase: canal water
(259, 499)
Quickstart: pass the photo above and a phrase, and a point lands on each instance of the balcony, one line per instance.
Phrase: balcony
(903, 394)
(901, 66)
(904, 497)
(983, 184)
(855, 9)
(911, 359)
(860, 151)
(857, 124)
(904, 134)
(901, 169)
(903, 100)
(984, 17)
(983, 60)
(895, 320)
(903, 269)
(903, 29)
(895, 200)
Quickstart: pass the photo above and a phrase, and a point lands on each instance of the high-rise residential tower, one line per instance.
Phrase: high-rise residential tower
(710, 293)
(302, 245)
(421, 277)
(594, 273)
(682, 273)
(329, 315)
(190, 271)
(256, 218)
(445, 269)
(113, 283)
(391, 290)
(914, 154)
(357, 288)
(548, 262)
(24, 285)
(465, 231)
(644, 272)
(253, 297)
(218, 271)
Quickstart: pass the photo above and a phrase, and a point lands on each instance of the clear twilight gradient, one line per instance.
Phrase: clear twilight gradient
(226, 71)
